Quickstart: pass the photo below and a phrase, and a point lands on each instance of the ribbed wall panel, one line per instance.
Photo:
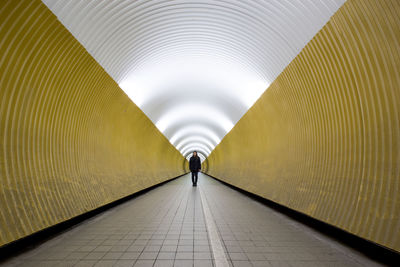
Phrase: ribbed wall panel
(70, 138)
(325, 138)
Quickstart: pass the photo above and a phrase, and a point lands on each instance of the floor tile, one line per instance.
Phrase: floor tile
(164, 263)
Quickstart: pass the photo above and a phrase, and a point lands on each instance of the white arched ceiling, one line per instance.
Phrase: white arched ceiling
(194, 67)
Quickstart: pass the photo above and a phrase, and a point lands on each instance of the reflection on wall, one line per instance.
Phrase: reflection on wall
(324, 139)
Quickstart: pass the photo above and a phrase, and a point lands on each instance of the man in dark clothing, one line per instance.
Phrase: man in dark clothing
(194, 166)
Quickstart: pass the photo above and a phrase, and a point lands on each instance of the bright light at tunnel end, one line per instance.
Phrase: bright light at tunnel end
(212, 121)
(194, 111)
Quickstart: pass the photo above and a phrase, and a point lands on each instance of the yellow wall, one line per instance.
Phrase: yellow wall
(324, 139)
(70, 139)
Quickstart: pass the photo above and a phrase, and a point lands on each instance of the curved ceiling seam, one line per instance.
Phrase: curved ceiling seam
(185, 141)
(200, 32)
(191, 148)
(206, 141)
(183, 38)
(195, 144)
(197, 7)
(163, 103)
(152, 21)
(97, 12)
(184, 131)
(215, 128)
(231, 32)
(180, 4)
(151, 40)
(128, 72)
(80, 10)
(196, 141)
(221, 129)
(174, 45)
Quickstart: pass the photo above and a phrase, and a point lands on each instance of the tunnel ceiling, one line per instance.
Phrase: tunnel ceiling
(194, 67)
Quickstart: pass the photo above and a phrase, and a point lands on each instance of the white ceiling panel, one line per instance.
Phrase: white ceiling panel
(194, 67)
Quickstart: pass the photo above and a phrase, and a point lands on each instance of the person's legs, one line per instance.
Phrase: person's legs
(193, 174)
(195, 178)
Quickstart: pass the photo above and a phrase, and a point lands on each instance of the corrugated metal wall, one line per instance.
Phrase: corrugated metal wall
(324, 139)
(70, 139)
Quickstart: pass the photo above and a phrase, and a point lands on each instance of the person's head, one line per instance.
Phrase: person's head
(194, 153)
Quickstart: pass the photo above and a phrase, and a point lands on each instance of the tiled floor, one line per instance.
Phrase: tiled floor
(168, 227)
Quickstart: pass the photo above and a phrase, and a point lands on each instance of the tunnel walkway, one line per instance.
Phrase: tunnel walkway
(180, 225)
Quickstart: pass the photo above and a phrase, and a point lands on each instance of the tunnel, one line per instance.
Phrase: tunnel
(292, 106)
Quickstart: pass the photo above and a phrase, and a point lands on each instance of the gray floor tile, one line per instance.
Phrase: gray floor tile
(202, 255)
(169, 248)
(279, 263)
(261, 263)
(184, 256)
(67, 263)
(185, 248)
(148, 256)
(202, 248)
(203, 263)
(172, 236)
(87, 248)
(136, 248)
(144, 263)
(242, 264)
(124, 263)
(183, 263)
(130, 255)
(233, 249)
(186, 242)
(166, 255)
(152, 248)
(119, 248)
(238, 256)
(112, 255)
(102, 248)
(95, 255)
(86, 263)
(171, 242)
(201, 242)
(275, 256)
(156, 242)
(76, 255)
(105, 263)
(164, 263)
(40, 263)
(255, 256)
(140, 242)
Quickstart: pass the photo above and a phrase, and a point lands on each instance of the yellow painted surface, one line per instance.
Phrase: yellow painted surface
(70, 139)
(324, 139)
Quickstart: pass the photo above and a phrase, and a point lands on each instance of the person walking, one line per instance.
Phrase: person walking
(195, 167)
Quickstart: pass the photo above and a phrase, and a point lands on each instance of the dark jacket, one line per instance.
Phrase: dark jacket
(194, 164)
